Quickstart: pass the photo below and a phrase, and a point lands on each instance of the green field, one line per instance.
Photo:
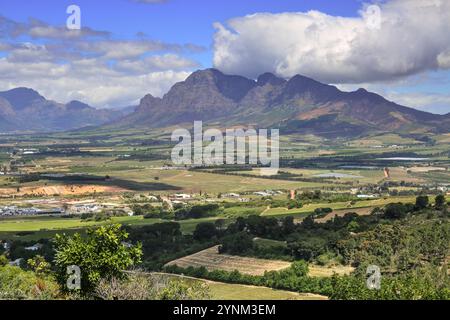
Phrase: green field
(227, 291)
(35, 228)
(309, 208)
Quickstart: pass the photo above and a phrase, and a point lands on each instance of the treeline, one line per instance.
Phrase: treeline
(429, 283)
(294, 278)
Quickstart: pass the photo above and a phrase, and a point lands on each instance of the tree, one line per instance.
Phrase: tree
(308, 222)
(395, 211)
(308, 249)
(422, 202)
(100, 255)
(440, 202)
(205, 231)
(288, 225)
(237, 243)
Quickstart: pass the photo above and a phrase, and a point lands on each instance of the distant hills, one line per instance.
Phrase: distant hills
(297, 105)
(24, 109)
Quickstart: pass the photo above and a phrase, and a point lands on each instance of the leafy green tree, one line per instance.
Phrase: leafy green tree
(205, 231)
(102, 254)
(395, 211)
(288, 224)
(422, 202)
(440, 202)
(237, 243)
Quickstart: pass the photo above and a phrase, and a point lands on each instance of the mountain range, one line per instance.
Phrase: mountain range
(24, 109)
(295, 105)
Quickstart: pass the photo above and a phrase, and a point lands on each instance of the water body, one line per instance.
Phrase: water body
(337, 175)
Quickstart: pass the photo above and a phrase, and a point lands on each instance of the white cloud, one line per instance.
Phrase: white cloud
(38, 29)
(430, 102)
(90, 66)
(87, 80)
(121, 49)
(412, 37)
(156, 63)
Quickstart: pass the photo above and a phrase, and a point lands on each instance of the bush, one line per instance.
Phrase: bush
(179, 290)
(17, 284)
(135, 287)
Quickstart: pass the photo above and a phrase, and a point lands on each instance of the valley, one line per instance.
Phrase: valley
(121, 178)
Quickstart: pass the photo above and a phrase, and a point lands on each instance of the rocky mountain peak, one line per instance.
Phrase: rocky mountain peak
(20, 98)
(269, 78)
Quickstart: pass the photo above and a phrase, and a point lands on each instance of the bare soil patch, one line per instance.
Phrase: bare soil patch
(60, 190)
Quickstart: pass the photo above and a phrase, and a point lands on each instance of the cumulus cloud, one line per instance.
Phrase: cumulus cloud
(412, 37)
(91, 66)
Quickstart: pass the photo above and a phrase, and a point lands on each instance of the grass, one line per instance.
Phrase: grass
(308, 208)
(323, 271)
(38, 227)
(228, 291)
(269, 243)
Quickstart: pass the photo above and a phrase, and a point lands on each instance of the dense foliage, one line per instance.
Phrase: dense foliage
(101, 254)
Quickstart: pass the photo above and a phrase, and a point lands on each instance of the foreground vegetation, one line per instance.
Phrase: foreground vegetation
(408, 242)
(324, 226)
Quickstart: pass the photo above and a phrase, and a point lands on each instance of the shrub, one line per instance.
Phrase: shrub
(17, 284)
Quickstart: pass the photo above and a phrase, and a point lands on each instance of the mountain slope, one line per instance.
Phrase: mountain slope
(23, 109)
(299, 104)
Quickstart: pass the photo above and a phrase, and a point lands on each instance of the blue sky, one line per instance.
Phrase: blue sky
(179, 36)
(176, 21)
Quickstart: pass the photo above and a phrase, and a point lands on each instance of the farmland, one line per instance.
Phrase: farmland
(181, 215)
(212, 260)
